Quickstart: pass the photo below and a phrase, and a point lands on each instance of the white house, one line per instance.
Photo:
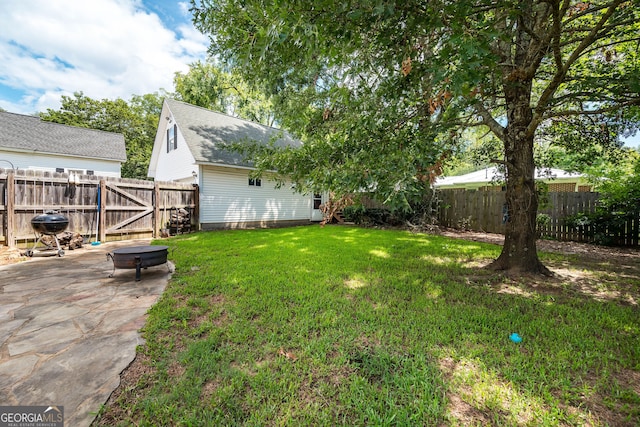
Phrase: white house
(191, 146)
(27, 142)
(492, 179)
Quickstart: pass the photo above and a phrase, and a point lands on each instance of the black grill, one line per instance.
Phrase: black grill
(49, 223)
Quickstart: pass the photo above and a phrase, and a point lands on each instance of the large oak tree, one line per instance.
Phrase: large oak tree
(379, 90)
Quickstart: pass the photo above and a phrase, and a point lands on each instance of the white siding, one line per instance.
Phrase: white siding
(227, 198)
(177, 164)
(49, 163)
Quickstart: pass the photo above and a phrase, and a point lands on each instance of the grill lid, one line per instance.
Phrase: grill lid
(50, 222)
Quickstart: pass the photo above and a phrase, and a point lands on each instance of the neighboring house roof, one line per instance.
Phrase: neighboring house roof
(32, 134)
(493, 174)
(209, 133)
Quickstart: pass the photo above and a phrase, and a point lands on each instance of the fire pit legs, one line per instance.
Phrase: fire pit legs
(138, 267)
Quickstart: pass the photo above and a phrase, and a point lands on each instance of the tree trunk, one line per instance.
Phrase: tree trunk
(519, 254)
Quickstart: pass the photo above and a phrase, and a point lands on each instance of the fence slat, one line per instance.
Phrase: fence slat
(482, 211)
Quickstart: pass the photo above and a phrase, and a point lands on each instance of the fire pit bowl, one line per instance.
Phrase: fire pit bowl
(138, 257)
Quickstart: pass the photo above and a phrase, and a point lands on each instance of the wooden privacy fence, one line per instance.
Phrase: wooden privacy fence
(483, 211)
(99, 208)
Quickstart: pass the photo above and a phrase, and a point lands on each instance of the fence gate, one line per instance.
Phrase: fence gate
(126, 208)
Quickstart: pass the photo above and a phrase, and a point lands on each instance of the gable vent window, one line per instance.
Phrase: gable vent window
(172, 138)
(255, 182)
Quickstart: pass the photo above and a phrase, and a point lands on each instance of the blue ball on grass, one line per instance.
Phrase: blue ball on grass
(515, 338)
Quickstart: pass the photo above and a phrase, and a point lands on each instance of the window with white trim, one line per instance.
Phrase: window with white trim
(172, 137)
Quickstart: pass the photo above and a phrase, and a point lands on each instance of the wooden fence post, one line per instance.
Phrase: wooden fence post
(102, 223)
(157, 222)
(196, 209)
(10, 209)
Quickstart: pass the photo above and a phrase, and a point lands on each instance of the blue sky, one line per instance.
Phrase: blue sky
(104, 48)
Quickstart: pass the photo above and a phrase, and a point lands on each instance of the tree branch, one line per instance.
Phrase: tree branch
(596, 112)
(557, 53)
(562, 72)
(488, 120)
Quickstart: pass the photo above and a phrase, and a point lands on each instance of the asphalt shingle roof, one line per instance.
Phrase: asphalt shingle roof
(31, 134)
(208, 133)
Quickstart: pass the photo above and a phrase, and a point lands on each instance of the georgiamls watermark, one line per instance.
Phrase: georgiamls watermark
(31, 416)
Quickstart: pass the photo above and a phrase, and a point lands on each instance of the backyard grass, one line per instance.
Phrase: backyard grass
(351, 326)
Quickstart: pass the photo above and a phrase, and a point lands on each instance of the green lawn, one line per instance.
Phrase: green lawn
(350, 326)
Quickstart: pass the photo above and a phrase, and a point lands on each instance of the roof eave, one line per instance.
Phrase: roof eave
(50, 153)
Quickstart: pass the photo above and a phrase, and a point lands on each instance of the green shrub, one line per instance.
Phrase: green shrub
(618, 206)
(542, 221)
(370, 216)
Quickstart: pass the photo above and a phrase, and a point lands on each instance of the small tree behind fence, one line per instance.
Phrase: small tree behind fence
(99, 208)
(485, 211)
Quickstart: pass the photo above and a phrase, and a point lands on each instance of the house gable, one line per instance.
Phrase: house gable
(208, 135)
(171, 158)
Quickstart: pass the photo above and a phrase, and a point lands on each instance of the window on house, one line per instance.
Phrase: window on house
(60, 170)
(90, 172)
(175, 136)
(255, 182)
(317, 201)
(172, 138)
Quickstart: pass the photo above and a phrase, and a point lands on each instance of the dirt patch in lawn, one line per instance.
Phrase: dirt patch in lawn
(586, 250)
(598, 272)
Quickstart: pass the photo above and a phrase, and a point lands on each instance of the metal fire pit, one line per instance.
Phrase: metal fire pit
(138, 257)
(48, 224)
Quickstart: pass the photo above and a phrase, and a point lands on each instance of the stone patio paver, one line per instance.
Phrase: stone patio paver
(67, 330)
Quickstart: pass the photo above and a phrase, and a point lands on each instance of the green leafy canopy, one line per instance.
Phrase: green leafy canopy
(379, 90)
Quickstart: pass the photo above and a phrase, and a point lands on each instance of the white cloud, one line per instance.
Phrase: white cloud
(104, 48)
(184, 7)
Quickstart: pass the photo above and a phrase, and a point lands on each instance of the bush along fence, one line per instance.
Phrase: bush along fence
(560, 218)
(99, 208)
